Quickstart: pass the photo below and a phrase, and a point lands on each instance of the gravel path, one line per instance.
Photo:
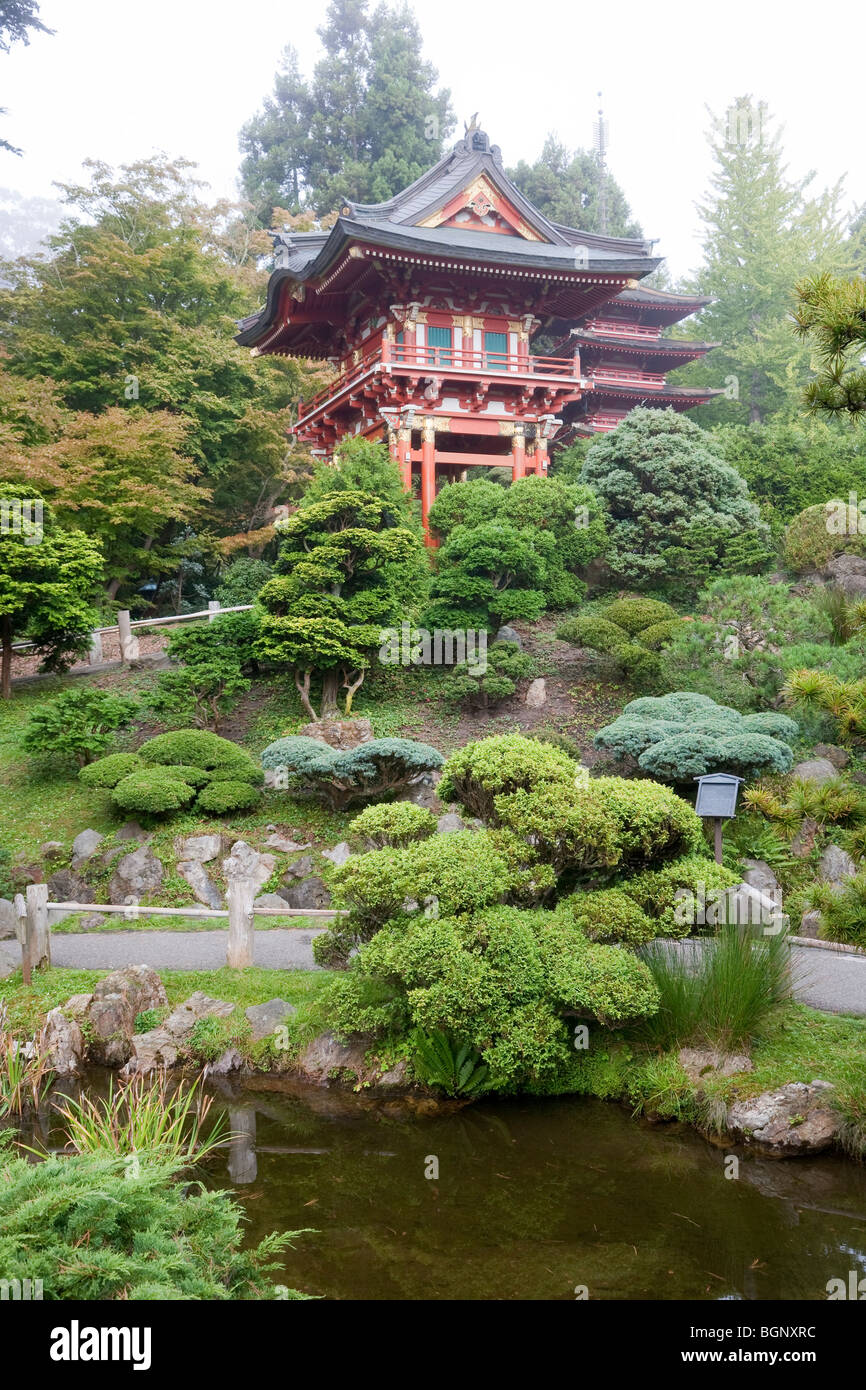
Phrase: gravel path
(829, 980)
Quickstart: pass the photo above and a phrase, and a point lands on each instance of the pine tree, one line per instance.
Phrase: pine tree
(565, 185)
(762, 234)
(275, 143)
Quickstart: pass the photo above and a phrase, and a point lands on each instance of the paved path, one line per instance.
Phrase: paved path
(830, 980)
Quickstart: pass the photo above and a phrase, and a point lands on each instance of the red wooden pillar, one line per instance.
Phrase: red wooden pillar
(399, 447)
(540, 456)
(518, 452)
(428, 475)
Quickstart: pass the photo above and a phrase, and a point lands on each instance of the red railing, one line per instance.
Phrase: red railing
(610, 377)
(454, 361)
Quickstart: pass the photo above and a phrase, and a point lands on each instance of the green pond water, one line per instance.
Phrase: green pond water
(533, 1198)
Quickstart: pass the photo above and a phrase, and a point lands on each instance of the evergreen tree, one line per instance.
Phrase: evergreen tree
(762, 234)
(565, 185)
(368, 124)
(832, 315)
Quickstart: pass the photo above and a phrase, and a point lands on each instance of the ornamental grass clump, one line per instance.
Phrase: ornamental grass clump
(145, 1117)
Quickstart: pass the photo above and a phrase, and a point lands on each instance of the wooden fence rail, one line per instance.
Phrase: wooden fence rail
(125, 624)
(34, 934)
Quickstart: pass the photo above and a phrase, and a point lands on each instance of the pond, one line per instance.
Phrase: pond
(533, 1198)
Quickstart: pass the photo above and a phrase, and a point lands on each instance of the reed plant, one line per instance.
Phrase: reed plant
(146, 1117)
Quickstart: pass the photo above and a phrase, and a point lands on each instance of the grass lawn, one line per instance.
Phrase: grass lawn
(115, 922)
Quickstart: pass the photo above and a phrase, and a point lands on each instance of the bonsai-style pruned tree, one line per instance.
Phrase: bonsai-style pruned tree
(349, 564)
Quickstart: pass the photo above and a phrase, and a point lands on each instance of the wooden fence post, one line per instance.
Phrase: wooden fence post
(95, 655)
(240, 892)
(128, 643)
(37, 946)
(213, 607)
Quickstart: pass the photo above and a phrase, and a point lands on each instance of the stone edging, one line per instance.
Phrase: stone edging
(827, 945)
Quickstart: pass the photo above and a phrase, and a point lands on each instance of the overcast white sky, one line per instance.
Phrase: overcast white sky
(122, 78)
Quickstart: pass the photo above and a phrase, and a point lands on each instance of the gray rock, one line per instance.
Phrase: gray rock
(151, 1050)
(202, 848)
(205, 890)
(131, 830)
(448, 823)
(301, 867)
(397, 1076)
(835, 867)
(64, 886)
(325, 1058)
(110, 1024)
(77, 1005)
(230, 1061)
(283, 844)
(137, 874)
(744, 905)
(700, 1062)
(818, 770)
(339, 854)
(848, 573)
(536, 695)
(796, 1119)
(91, 921)
(804, 840)
(508, 634)
(64, 1043)
(839, 757)
(181, 1020)
(810, 925)
(84, 846)
(140, 984)
(270, 900)
(246, 862)
(759, 875)
(309, 893)
(8, 919)
(339, 733)
(265, 1018)
(52, 849)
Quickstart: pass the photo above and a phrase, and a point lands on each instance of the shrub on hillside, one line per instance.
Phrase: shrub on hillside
(818, 533)
(369, 772)
(221, 796)
(77, 725)
(241, 581)
(466, 685)
(197, 748)
(607, 915)
(107, 772)
(153, 791)
(631, 631)
(665, 893)
(479, 772)
(393, 825)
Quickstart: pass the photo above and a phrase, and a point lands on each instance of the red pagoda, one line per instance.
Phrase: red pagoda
(426, 306)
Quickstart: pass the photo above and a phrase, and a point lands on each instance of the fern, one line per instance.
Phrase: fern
(455, 1067)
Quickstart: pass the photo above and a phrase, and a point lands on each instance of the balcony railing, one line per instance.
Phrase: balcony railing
(607, 376)
(455, 361)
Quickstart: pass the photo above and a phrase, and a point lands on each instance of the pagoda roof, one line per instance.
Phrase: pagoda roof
(410, 227)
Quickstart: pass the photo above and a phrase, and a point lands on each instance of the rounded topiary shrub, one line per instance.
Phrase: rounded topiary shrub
(598, 633)
(107, 772)
(660, 634)
(193, 748)
(479, 772)
(653, 823)
(673, 894)
(194, 776)
(681, 757)
(818, 533)
(154, 791)
(294, 750)
(636, 614)
(220, 797)
(607, 915)
(770, 722)
(397, 824)
(342, 776)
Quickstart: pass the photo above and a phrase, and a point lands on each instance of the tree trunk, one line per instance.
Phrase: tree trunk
(330, 686)
(6, 678)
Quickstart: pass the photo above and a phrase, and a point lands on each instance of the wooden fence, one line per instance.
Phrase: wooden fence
(34, 934)
(124, 627)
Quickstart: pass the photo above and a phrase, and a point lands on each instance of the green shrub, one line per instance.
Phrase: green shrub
(669, 893)
(466, 685)
(607, 915)
(479, 772)
(107, 772)
(241, 581)
(595, 632)
(453, 1066)
(502, 981)
(195, 747)
(153, 790)
(564, 742)
(659, 635)
(222, 796)
(77, 725)
(369, 772)
(843, 915)
(202, 693)
(637, 614)
(184, 772)
(568, 827)
(394, 825)
(653, 823)
(818, 533)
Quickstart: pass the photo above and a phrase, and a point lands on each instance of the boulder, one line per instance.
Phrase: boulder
(835, 867)
(283, 844)
(91, 921)
(325, 1057)
(131, 830)
(110, 1025)
(138, 874)
(810, 925)
(202, 848)
(301, 867)
(8, 919)
(508, 634)
(744, 905)
(817, 770)
(396, 1076)
(195, 874)
(536, 695)
(230, 1060)
(246, 862)
(699, 1062)
(265, 1018)
(140, 984)
(181, 1020)
(848, 573)
(343, 734)
(151, 1050)
(449, 822)
(804, 840)
(839, 757)
(64, 886)
(270, 900)
(52, 849)
(84, 846)
(77, 1005)
(64, 1043)
(309, 893)
(339, 854)
(796, 1119)
(759, 875)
